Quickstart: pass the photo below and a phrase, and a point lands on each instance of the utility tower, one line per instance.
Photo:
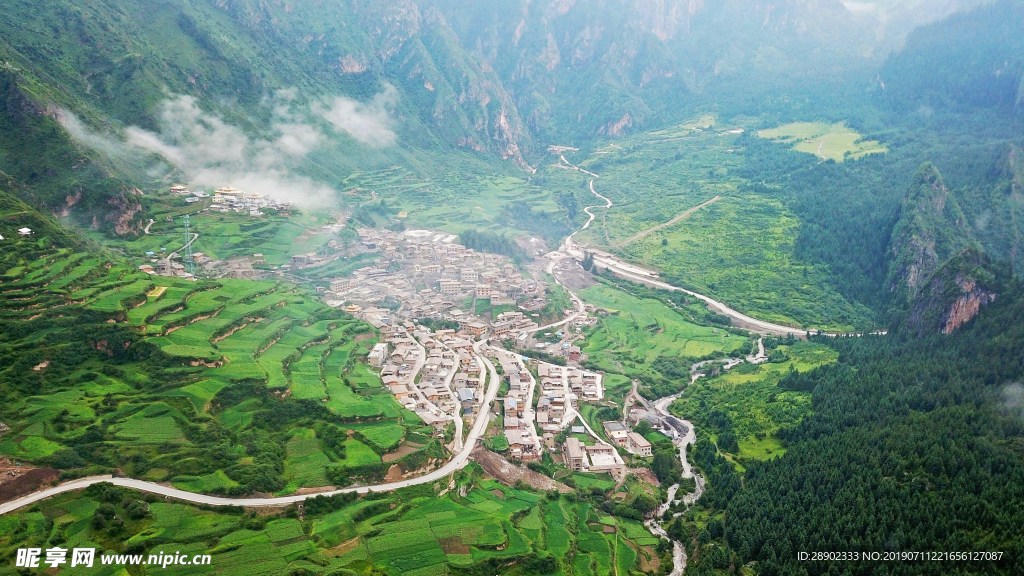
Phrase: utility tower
(189, 263)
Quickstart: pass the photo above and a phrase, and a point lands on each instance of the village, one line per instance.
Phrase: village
(417, 294)
(433, 300)
(227, 199)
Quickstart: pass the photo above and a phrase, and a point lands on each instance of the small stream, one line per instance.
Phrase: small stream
(684, 435)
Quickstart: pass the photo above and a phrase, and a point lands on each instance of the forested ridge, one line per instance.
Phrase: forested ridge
(913, 445)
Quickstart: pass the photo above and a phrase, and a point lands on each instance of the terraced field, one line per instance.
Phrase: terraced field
(490, 522)
(458, 201)
(224, 236)
(420, 534)
(159, 371)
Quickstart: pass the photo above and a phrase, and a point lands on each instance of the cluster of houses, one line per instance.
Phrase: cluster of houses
(622, 436)
(432, 276)
(227, 200)
(519, 429)
(562, 388)
(435, 379)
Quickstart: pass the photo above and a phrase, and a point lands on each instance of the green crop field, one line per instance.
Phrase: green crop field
(305, 462)
(639, 330)
(453, 203)
(828, 141)
(164, 367)
(212, 482)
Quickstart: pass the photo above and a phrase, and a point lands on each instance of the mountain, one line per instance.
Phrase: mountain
(967, 62)
(897, 18)
(374, 84)
(572, 75)
(79, 78)
(1000, 225)
(939, 277)
(930, 230)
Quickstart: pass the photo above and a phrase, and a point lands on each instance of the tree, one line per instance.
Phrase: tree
(664, 466)
(643, 428)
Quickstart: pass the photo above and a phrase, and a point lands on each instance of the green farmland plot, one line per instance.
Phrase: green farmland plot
(639, 330)
(402, 534)
(458, 201)
(163, 368)
(228, 236)
(827, 141)
(158, 299)
(461, 531)
(155, 424)
(213, 482)
(738, 249)
(305, 462)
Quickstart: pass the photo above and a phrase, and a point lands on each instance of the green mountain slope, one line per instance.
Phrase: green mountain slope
(939, 276)
(115, 63)
(573, 76)
(930, 230)
(42, 163)
(230, 386)
(965, 63)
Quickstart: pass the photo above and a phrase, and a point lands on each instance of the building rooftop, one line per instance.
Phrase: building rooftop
(639, 440)
(614, 426)
(573, 448)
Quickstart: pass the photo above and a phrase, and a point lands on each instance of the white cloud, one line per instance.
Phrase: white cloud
(367, 122)
(1012, 400)
(94, 140)
(213, 153)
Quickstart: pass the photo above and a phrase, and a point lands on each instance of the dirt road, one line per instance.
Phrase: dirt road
(671, 222)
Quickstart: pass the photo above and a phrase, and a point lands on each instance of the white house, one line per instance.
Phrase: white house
(25, 231)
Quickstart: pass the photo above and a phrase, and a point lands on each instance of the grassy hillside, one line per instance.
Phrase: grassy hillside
(227, 386)
(707, 227)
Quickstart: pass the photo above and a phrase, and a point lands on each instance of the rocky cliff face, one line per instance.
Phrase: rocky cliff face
(930, 230)
(954, 294)
(967, 305)
(577, 69)
(939, 275)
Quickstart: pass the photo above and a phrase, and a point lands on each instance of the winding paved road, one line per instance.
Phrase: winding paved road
(608, 204)
(456, 463)
(631, 272)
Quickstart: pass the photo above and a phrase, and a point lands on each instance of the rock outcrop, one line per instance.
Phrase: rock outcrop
(954, 294)
(939, 277)
(930, 230)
